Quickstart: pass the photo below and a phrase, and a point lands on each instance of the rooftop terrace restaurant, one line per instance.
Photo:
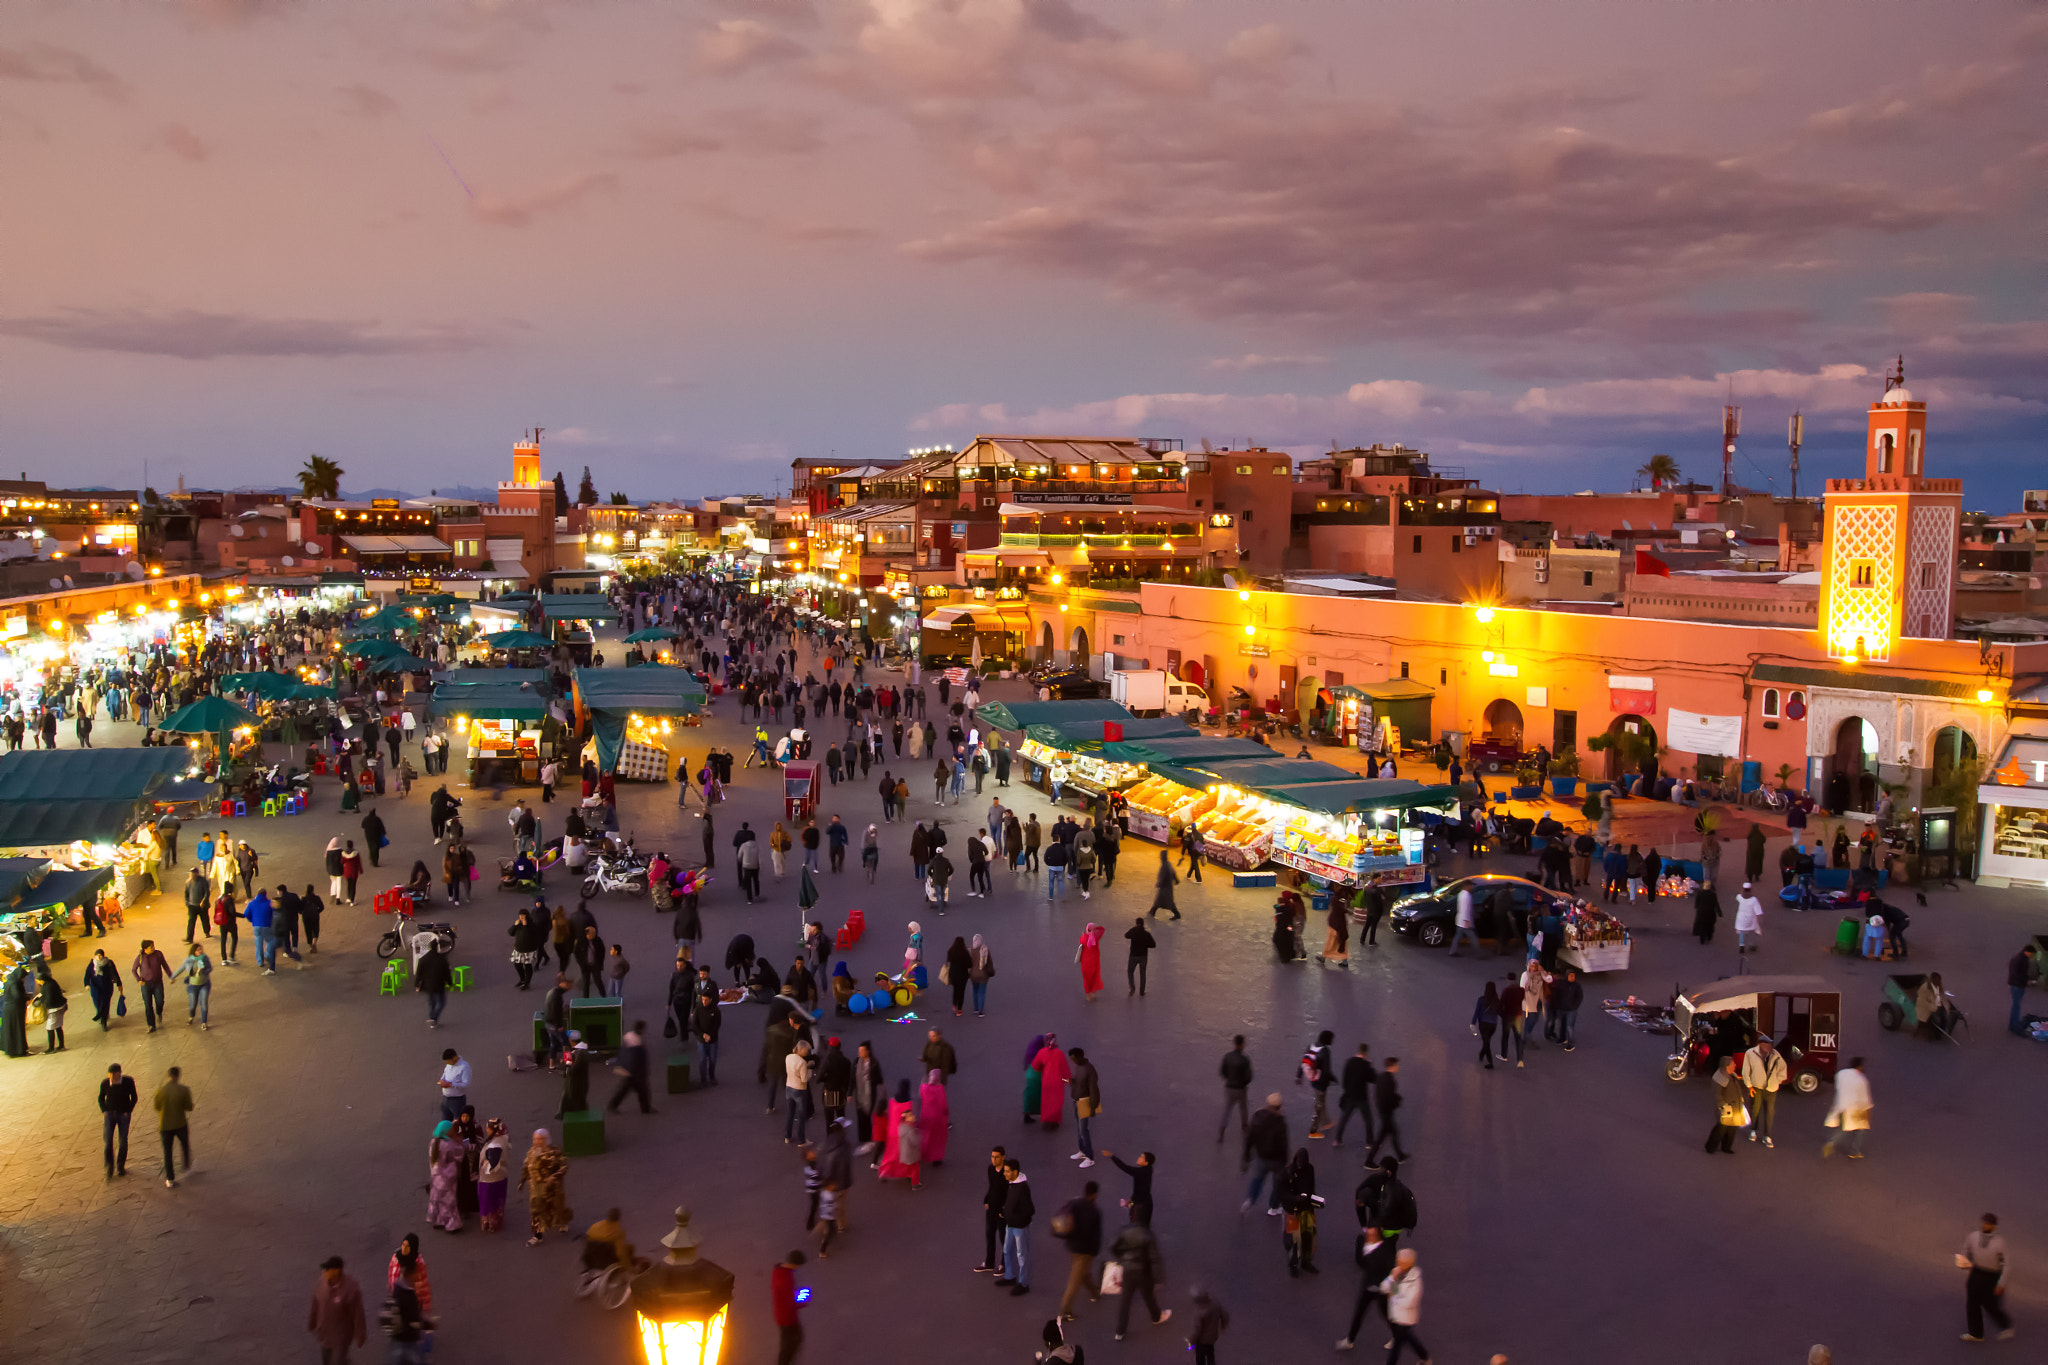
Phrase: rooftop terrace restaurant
(1111, 541)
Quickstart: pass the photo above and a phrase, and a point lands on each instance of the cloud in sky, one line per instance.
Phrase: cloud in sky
(1509, 233)
(48, 64)
(522, 210)
(188, 334)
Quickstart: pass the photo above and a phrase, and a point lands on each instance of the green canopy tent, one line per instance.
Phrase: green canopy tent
(651, 634)
(390, 618)
(518, 639)
(1086, 736)
(497, 698)
(605, 697)
(207, 716)
(577, 606)
(1363, 794)
(56, 775)
(1191, 750)
(1021, 715)
(1258, 774)
(431, 600)
(311, 692)
(371, 648)
(400, 662)
(270, 685)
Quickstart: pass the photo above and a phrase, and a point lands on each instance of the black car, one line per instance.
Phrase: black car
(1065, 684)
(1432, 916)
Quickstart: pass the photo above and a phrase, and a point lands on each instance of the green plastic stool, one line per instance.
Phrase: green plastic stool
(583, 1133)
(393, 978)
(461, 977)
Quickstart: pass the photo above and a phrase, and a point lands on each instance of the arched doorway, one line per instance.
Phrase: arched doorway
(1631, 748)
(1045, 642)
(1080, 647)
(1503, 722)
(1192, 671)
(1852, 767)
(1952, 748)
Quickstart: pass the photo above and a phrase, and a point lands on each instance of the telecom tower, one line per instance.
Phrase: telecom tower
(1731, 427)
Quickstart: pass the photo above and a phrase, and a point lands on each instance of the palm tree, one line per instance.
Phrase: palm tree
(1661, 471)
(321, 478)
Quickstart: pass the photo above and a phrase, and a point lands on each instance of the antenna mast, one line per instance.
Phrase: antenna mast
(1795, 433)
(1731, 427)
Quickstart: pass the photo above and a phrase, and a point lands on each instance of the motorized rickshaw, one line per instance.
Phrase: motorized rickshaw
(1800, 1014)
(799, 790)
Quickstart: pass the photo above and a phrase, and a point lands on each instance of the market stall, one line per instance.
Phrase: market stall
(90, 810)
(1238, 831)
(1365, 832)
(1022, 715)
(1078, 746)
(632, 716)
(499, 716)
(2013, 847)
(1594, 941)
(1161, 803)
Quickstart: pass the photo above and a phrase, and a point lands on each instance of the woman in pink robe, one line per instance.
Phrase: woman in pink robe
(934, 1111)
(1053, 1073)
(1090, 958)
(893, 1166)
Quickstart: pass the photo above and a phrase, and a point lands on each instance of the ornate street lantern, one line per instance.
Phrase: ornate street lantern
(681, 1302)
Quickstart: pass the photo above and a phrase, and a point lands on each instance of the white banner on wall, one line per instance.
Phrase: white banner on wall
(1701, 734)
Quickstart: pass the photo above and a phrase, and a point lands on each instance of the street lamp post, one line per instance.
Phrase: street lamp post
(681, 1302)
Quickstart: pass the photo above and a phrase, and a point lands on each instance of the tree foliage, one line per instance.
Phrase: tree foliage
(320, 478)
(586, 492)
(561, 496)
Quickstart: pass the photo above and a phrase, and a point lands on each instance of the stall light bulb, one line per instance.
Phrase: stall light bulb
(1485, 615)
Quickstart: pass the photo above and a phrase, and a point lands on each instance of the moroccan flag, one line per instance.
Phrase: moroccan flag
(1647, 563)
(1112, 731)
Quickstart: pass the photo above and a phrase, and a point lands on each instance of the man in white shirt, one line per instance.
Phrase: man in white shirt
(454, 1084)
(1749, 920)
(1465, 932)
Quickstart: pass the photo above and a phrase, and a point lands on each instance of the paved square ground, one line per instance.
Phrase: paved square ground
(1567, 1212)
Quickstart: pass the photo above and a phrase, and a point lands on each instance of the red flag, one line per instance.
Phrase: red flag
(1647, 563)
(1112, 731)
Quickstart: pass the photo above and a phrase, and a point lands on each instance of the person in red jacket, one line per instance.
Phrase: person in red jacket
(782, 1289)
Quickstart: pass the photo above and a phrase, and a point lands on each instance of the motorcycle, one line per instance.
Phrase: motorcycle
(623, 872)
(404, 934)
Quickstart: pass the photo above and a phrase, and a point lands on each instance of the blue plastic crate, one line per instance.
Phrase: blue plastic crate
(1254, 879)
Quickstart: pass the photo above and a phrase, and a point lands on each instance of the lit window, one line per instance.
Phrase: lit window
(1244, 469)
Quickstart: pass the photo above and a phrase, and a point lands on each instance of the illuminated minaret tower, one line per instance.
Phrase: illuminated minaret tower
(1889, 565)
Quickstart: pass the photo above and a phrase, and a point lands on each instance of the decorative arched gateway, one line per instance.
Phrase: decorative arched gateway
(1503, 721)
(1191, 670)
(1852, 767)
(1631, 747)
(1952, 748)
(1080, 655)
(1045, 645)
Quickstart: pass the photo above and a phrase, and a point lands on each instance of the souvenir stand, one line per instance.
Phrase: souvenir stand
(1594, 941)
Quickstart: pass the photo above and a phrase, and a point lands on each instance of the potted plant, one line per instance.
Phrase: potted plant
(1564, 772)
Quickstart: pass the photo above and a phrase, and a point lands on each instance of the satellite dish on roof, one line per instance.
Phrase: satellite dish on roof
(1230, 580)
(1625, 526)
(238, 530)
(57, 583)
(134, 569)
(312, 547)
(68, 583)
(285, 560)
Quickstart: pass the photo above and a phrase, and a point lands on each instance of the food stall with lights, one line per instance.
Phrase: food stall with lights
(1160, 803)
(1365, 832)
(499, 713)
(632, 716)
(568, 616)
(1078, 746)
(90, 811)
(1239, 829)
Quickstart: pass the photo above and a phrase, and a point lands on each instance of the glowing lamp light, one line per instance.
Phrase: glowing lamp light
(1486, 656)
(1244, 595)
(1250, 629)
(1984, 694)
(680, 1303)
(1485, 615)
